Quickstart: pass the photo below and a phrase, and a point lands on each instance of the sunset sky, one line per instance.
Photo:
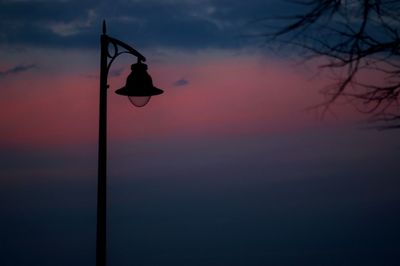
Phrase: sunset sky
(228, 167)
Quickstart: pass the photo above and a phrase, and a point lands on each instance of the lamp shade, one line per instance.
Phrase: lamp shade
(139, 83)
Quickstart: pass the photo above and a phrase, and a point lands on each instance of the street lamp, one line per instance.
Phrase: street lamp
(139, 88)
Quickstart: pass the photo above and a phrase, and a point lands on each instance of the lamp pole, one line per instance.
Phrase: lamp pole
(138, 85)
(101, 231)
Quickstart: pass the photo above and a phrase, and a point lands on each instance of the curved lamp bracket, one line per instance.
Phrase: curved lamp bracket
(115, 51)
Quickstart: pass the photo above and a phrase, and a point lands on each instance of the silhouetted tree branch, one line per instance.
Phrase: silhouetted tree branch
(358, 40)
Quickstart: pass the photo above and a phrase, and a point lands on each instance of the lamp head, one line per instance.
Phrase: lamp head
(139, 85)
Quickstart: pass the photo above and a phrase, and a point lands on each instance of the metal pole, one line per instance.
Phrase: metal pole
(101, 243)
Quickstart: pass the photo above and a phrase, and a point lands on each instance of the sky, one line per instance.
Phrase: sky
(228, 167)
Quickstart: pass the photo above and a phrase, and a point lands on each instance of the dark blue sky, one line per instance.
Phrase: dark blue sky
(176, 24)
(318, 197)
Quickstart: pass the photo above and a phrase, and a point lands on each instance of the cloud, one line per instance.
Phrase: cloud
(16, 70)
(74, 27)
(181, 82)
(116, 72)
(178, 24)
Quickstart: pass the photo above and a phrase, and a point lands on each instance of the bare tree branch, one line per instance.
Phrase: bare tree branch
(361, 39)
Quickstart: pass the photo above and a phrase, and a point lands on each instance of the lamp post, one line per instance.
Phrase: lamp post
(139, 88)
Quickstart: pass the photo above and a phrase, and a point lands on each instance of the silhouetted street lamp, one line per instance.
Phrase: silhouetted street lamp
(139, 88)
